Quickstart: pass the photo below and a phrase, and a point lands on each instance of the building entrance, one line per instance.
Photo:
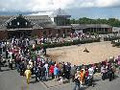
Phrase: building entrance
(19, 34)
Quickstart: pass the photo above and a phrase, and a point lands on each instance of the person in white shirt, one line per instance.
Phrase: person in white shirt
(91, 71)
(46, 71)
(90, 76)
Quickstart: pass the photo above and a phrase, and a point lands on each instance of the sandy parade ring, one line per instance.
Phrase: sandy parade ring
(98, 51)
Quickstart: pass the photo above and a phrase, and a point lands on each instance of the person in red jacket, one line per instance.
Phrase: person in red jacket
(51, 71)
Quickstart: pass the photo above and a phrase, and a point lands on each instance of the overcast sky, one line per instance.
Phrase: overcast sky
(77, 8)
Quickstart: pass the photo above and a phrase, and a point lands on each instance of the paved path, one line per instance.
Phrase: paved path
(11, 80)
(98, 85)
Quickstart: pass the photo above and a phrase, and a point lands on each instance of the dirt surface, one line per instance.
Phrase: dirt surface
(98, 51)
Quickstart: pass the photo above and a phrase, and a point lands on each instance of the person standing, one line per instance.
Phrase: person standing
(11, 64)
(51, 71)
(103, 71)
(11, 59)
(110, 74)
(67, 71)
(118, 65)
(91, 71)
(6, 54)
(31, 65)
(28, 74)
(90, 76)
(56, 71)
(82, 76)
(72, 72)
(113, 71)
(43, 77)
(77, 81)
(22, 68)
(37, 73)
(0, 63)
(44, 50)
(46, 70)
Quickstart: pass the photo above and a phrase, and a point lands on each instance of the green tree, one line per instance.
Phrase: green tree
(111, 21)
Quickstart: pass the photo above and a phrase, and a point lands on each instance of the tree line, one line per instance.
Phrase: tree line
(111, 21)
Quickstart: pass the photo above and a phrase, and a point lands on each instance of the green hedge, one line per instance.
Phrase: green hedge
(111, 38)
(115, 43)
(67, 43)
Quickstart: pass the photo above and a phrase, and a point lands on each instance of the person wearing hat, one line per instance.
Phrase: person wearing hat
(28, 74)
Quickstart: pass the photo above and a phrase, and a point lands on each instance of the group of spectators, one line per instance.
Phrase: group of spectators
(63, 38)
(20, 57)
(107, 68)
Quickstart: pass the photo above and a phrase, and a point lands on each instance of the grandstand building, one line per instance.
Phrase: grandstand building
(44, 25)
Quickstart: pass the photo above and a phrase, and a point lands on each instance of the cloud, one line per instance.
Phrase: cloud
(98, 3)
(14, 5)
(33, 5)
(41, 5)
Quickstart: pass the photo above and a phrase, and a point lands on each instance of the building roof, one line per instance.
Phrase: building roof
(84, 26)
(36, 21)
(20, 29)
(78, 26)
(65, 27)
(44, 21)
(3, 19)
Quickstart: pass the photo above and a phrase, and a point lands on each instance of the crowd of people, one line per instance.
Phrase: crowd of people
(63, 38)
(107, 68)
(21, 58)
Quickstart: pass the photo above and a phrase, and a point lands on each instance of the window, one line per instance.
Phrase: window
(26, 23)
(68, 31)
(49, 31)
(10, 23)
(44, 32)
(18, 23)
(58, 31)
(63, 31)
